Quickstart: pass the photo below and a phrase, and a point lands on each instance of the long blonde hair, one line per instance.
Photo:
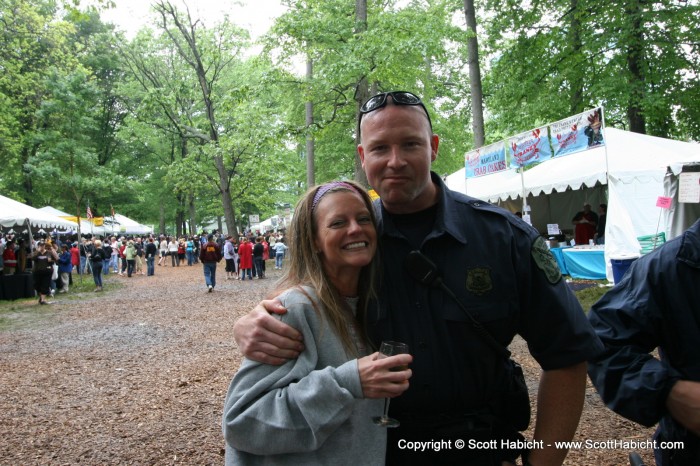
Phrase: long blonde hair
(306, 268)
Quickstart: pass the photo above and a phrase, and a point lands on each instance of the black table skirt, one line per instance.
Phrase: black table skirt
(16, 286)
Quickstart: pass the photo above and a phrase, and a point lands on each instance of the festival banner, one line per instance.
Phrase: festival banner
(529, 147)
(485, 160)
(578, 133)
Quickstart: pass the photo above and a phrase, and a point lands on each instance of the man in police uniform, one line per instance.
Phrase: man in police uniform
(656, 305)
(495, 264)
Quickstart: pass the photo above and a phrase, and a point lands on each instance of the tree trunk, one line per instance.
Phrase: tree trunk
(179, 215)
(162, 218)
(310, 168)
(194, 59)
(193, 214)
(635, 63)
(474, 75)
(576, 96)
(362, 92)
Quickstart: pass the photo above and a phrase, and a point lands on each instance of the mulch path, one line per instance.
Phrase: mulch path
(138, 375)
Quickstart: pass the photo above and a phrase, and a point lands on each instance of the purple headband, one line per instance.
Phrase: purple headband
(323, 190)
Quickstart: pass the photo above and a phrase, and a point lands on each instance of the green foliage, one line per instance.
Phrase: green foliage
(552, 59)
(402, 47)
(152, 124)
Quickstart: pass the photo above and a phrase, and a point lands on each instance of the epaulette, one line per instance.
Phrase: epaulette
(483, 206)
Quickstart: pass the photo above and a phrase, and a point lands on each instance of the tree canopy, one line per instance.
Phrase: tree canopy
(188, 122)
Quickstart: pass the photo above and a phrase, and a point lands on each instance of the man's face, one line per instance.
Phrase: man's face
(396, 150)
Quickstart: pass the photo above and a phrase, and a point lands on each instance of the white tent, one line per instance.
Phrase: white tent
(634, 173)
(86, 227)
(15, 214)
(126, 226)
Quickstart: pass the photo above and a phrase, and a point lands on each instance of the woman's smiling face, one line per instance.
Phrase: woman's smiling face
(346, 237)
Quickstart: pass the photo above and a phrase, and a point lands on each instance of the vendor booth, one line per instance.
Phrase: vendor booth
(15, 216)
(87, 226)
(629, 173)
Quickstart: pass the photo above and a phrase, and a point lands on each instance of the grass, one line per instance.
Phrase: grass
(26, 312)
(588, 297)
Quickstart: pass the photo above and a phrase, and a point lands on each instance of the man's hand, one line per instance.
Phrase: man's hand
(264, 339)
(377, 378)
(683, 403)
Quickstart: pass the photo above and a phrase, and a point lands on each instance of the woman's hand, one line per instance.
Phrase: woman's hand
(377, 378)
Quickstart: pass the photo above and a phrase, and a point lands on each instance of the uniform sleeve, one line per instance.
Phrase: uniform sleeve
(290, 408)
(552, 320)
(628, 378)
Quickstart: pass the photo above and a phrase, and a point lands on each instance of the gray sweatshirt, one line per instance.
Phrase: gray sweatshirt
(308, 411)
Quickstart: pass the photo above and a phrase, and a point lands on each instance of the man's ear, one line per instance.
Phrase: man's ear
(434, 143)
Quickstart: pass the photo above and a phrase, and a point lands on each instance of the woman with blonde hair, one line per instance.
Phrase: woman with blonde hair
(317, 409)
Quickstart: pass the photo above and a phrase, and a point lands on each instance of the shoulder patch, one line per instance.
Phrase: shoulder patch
(479, 280)
(545, 260)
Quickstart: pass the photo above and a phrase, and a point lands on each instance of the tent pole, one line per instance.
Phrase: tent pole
(31, 237)
(522, 184)
(80, 244)
(605, 146)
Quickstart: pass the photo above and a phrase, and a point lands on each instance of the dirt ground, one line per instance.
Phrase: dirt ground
(138, 374)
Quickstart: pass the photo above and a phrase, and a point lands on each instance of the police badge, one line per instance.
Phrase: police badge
(479, 280)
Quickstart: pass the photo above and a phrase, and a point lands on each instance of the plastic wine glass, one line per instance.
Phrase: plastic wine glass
(390, 348)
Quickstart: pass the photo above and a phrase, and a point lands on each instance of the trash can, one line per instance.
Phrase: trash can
(620, 264)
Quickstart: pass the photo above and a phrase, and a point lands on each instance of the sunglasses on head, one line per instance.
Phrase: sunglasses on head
(398, 97)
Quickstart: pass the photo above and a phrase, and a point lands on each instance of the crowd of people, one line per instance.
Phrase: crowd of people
(53, 259)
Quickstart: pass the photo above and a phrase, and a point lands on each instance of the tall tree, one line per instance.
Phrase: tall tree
(310, 166)
(474, 75)
(32, 44)
(362, 91)
(393, 47)
(183, 30)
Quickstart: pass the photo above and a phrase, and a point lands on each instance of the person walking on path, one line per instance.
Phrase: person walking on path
(210, 256)
(64, 268)
(230, 258)
(258, 251)
(122, 257)
(43, 258)
(172, 252)
(163, 249)
(75, 257)
(245, 252)
(114, 256)
(280, 249)
(151, 251)
(130, 255)
(97, 261)
(189, 251)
